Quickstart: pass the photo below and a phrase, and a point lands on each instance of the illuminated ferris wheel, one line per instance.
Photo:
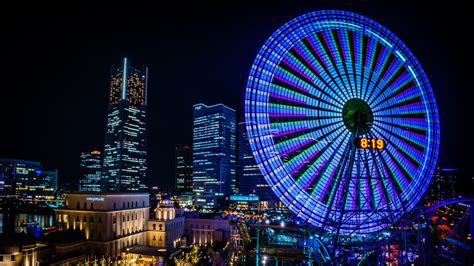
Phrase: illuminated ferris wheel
(342, 122)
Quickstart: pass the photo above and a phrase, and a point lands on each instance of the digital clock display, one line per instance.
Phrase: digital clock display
(369, 143)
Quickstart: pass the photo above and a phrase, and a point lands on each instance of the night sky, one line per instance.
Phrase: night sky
(55, 65)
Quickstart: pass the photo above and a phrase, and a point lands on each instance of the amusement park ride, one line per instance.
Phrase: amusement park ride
(344, 126)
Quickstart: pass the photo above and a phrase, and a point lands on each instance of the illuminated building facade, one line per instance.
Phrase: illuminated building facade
(250, 179)
(19, 249)
(204, 232)
(110, 222)
(214, 148)
(27, 180)
(125, 155)
(443, 184)
(184, 169)
(247, 203)
(166, 230)
(90, 172)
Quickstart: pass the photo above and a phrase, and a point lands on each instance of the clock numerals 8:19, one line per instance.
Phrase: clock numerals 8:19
(369, 143)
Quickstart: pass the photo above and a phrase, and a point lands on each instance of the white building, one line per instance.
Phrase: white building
(111, 222)
(166, 230)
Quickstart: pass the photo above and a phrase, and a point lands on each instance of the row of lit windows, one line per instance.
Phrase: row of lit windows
(134, 215)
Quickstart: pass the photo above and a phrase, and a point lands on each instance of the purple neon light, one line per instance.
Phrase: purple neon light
(298, 86)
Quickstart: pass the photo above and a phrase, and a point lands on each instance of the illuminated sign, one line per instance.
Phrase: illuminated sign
(369, 143)
(243, 198)
(95, 198)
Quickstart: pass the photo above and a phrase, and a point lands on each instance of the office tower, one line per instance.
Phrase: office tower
(90, 172)
(442, 184)
(213, 154)
(27, 180)
(125, 155)
(250, 180)
(184, 169)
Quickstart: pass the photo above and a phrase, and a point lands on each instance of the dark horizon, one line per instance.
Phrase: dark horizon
(56, 66)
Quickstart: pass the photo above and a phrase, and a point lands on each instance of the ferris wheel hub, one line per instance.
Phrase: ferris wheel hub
(357, 116)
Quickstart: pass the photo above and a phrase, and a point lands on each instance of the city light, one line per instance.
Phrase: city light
(323, 150)
(281, 73)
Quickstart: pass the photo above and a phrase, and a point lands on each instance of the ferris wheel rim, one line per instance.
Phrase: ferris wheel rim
(259, 125)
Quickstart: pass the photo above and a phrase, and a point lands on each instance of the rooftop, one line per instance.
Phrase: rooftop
(11, 242)
(147, 250)
(106, 193)
(10, 160)
(64, 237)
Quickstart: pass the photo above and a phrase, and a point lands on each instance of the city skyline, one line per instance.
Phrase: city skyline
(170, 60)
(265, 133)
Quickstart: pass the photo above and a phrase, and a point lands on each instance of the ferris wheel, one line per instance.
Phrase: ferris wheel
(342, 122)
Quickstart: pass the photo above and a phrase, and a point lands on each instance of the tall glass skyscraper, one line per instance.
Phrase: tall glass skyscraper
(250, 179)
(125, 155)
(184, 169)
(90, 172)
(214, 150)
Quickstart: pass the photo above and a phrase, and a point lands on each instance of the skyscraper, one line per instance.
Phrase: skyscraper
(90, 172)
(214, 146)
(442, 184)
(27, 180)
(184, 169)
(125, 155)
(250, 179)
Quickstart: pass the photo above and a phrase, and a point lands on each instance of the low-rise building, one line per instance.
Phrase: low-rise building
(111, 222)
(166, 230)
(19, 249)
(207, 231)
(116, 227)
(247, 203)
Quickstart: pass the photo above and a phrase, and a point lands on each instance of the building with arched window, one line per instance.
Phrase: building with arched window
(110, 222)
(166, 230)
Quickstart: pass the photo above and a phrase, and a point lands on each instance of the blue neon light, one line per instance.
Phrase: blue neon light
(301, 79)
(243, 198)
(401, 56)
